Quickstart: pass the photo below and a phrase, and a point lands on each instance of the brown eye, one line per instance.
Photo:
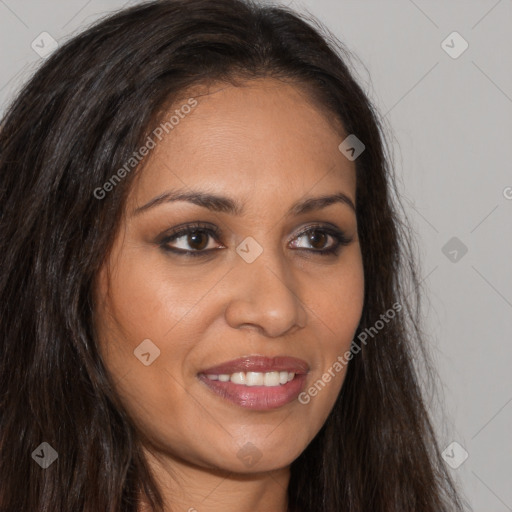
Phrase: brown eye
(317, 239)
(198, 240)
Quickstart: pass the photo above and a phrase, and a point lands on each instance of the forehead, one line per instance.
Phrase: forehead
(264, 136)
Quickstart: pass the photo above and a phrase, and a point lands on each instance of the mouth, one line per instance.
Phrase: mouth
(257, 382)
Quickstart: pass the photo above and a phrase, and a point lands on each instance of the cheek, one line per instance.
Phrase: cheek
(133, 308)
(150, 299)
(336, 309)
(145, 300)
(337, 303)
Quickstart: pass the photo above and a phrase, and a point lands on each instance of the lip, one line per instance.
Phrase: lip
(258, 398)
(260, 364)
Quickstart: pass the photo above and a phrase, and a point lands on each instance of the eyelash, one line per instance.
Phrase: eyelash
(339, 237)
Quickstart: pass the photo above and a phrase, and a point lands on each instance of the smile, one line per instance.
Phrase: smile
(257, 382)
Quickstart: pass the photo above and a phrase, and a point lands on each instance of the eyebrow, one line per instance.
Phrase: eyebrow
(225, 204)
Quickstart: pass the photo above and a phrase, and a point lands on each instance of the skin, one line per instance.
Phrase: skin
(266, 146)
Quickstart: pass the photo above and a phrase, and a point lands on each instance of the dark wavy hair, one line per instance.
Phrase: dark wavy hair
(79, 118)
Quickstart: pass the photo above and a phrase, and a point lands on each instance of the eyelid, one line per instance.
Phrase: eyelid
(186, 227)
(327, 227)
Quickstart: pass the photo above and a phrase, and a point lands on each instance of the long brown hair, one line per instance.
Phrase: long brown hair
(80, 118)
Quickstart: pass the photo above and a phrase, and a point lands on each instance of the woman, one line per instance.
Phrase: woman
(202, 296)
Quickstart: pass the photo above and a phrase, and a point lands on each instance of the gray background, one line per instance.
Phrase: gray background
(451, 119)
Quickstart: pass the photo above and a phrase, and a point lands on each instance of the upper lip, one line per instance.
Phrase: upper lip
(259, 364)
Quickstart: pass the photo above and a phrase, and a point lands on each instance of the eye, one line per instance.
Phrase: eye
(321, 239)
(193, 239)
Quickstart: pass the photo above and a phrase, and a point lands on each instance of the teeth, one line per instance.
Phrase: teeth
(254, 379)
(268, 379)
(271, 379)
(238, 378)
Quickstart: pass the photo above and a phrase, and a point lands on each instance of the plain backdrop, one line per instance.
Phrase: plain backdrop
(449, 109)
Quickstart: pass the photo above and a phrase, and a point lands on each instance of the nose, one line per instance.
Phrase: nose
(264, 296)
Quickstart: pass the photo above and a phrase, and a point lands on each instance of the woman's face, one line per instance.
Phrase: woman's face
(255, 296)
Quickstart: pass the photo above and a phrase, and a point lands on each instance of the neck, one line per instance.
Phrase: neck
(196, 489)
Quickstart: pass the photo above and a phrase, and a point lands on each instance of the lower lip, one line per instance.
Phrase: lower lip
(258, 398)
